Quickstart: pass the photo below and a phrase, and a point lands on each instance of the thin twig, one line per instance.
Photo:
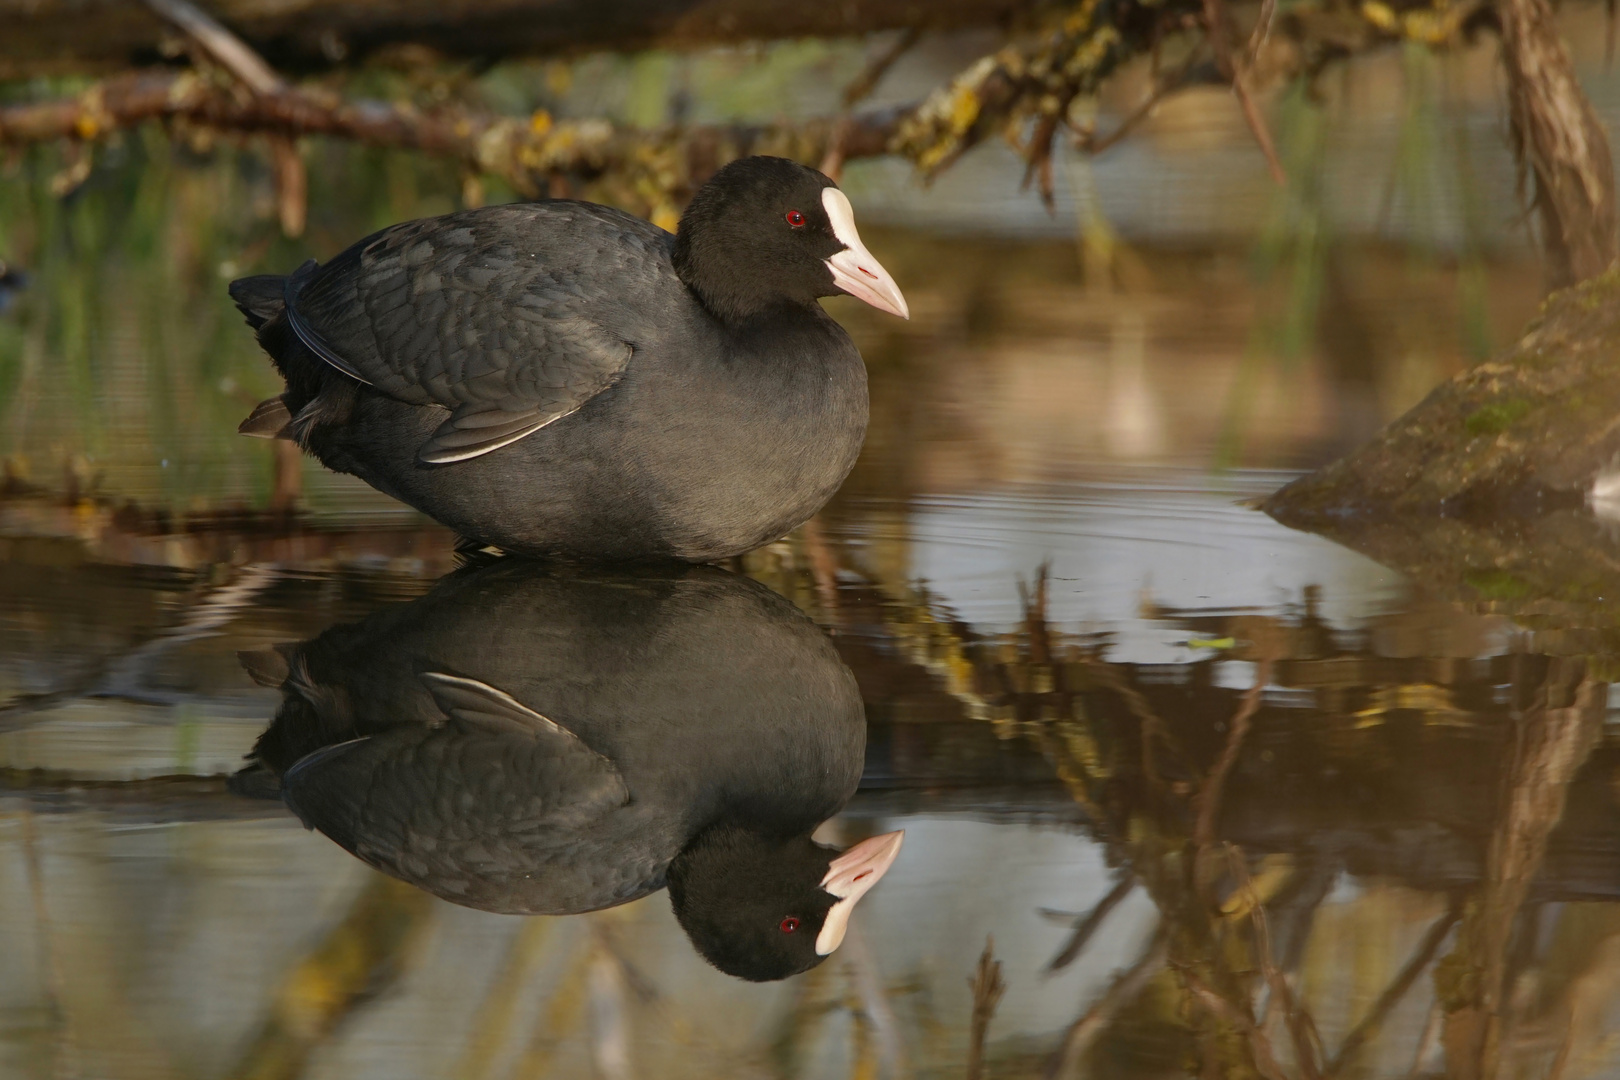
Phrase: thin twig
(1610, 12)
(1257, 124)
(1120, 993)
(1262, 31)
(1265, 1062)
(864, 83)
(1429, 1038)
(1162, 88)
(987, 989)
(823, 567)
(871, 1001)
(1038, 157)
(238, 57)
(1153, 728)
(1420, 959)
(1086, 927)
(1561, 1060)
(55, 990)
(1209, 796)
(1215, 27)
(832, 162)
(1301, 1029)
(224, 47)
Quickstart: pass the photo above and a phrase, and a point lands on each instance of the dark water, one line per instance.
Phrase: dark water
(1231, 800)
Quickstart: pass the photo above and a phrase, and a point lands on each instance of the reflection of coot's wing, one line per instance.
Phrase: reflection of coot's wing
(487, 797)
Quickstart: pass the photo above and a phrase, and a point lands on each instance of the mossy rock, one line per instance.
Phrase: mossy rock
(1530, 431)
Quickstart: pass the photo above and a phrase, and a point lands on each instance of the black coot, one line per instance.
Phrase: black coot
(561, 378)
(531, 739)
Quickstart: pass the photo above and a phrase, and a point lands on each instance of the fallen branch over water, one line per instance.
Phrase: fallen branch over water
(523, 150)
(60, 36)
(1022, 93)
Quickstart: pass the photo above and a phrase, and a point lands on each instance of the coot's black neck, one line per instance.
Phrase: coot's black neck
(734, 294)
(732, 849)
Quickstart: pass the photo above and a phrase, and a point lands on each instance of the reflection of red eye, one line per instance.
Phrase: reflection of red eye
(790, 924)
(795, 219)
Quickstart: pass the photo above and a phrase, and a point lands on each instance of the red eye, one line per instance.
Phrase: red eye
(796, 220)
(791, 924)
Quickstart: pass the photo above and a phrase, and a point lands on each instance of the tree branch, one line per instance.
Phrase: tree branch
(41, 37)
(222, 46)
(523, 150)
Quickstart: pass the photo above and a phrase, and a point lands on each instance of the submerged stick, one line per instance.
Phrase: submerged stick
(987, 990)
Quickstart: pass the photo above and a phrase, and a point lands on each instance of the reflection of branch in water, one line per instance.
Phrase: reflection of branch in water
(609, 1014)
(1169, 833)
(824, 567)
(1395, 991)
(1087, 925)
(1127, 985)
(1292, 910)
(1155, 731)
(1301, 1028)
(493, 1019)
(62, 1063)
(124, 677)
(559, 1017)
(156, 798)
(1209, 796)
(987, 989)
(1552, 739)
(360, 958)
(1229, 1015)
(872, 1002)
(813, 1001)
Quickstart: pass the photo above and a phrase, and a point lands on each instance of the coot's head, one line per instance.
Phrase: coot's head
(763, 908)
(765, 231)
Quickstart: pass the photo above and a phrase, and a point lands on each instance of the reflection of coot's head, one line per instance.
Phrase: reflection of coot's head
(762, 907)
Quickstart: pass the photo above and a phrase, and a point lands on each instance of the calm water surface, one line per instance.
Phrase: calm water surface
(1230, 799)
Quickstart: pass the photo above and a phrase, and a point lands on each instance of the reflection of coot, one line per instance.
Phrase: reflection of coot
(532, 740)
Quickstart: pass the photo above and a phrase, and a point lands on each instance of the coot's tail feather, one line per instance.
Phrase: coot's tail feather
(317, 394)
(270, 419)
(259, 297)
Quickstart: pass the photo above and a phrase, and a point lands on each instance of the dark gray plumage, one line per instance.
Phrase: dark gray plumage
(534, 740)
(561, 378)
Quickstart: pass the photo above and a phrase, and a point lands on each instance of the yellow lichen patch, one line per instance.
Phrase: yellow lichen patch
(1088, 57)
(1381, 15)
(937, 130)
(1274, 872)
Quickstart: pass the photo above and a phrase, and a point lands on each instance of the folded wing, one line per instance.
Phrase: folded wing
(508, 317)
(465, 809)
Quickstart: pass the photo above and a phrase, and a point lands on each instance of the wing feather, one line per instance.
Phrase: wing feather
(512, 317)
